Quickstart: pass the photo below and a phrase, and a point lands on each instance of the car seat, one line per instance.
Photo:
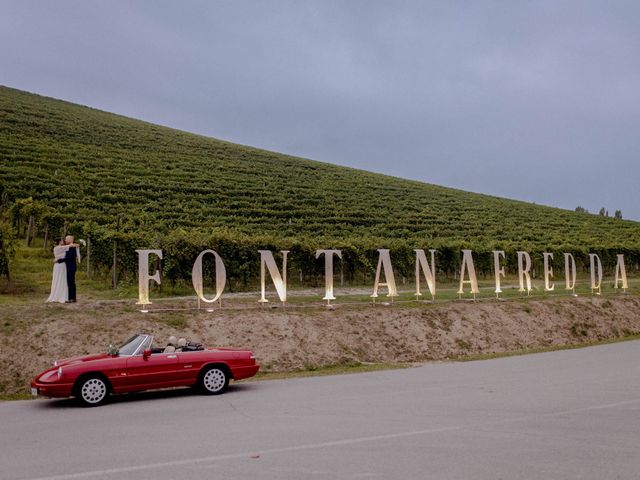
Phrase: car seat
(170, 348)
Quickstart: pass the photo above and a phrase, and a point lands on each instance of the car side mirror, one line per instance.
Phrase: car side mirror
(146, 354)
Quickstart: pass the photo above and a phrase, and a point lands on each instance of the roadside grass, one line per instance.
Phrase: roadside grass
(339, 369)
(16, 396)
(553, 348)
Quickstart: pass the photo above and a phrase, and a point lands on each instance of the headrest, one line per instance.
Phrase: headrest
(182, 342)
(172, 340)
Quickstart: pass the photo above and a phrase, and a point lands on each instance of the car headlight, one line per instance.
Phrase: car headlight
(59, 373)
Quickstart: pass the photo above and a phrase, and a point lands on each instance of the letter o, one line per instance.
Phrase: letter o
(196, 276)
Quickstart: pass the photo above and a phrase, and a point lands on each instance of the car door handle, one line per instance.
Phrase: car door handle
(172, 356)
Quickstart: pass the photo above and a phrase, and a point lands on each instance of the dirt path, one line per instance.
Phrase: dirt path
(33, 336)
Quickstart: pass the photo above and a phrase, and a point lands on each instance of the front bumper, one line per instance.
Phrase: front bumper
(57, 390)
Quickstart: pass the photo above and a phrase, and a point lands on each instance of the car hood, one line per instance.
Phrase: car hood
(81, 359)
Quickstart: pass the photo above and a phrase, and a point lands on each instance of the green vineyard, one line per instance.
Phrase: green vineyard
(130, 184)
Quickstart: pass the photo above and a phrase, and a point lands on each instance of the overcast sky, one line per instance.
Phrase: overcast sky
(537, 101)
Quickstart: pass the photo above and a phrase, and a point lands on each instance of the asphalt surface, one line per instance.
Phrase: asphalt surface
(568, 414)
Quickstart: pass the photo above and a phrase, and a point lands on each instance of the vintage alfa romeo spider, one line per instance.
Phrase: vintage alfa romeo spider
(136, 365)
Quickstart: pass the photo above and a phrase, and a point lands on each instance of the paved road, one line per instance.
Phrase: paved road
(569, 414)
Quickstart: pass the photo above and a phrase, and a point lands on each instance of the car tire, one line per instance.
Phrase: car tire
(214, 380)
(92, 391)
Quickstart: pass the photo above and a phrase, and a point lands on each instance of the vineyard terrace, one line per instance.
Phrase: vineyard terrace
(424, 268)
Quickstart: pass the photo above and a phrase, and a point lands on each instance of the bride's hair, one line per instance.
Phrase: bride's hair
(56, 242)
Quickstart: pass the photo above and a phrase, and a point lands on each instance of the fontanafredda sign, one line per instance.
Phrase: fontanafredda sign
(425, 269)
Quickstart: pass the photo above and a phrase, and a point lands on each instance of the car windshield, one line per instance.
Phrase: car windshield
(131, 345)
(146, 344)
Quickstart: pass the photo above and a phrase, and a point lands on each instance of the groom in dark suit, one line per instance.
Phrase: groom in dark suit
(70, 260)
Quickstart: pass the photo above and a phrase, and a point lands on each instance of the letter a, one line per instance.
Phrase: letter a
(384, 261)
(467, 265)
(621, 273)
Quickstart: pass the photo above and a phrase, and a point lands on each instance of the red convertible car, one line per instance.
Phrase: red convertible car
(136, 366)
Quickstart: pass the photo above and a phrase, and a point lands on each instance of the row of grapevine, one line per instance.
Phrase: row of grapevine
(67, 168)
(240, 254)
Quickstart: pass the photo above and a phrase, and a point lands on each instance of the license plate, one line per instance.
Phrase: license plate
(34, 392)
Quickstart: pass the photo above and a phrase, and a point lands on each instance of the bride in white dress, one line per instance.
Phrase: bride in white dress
(59, 288)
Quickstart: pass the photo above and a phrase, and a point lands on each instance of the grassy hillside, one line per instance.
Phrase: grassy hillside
(90, 166)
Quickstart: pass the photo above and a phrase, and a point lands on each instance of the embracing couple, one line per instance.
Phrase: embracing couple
(63, 284)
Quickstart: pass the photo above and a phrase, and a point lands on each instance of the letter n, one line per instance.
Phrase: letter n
(280, 281)
(429, 271)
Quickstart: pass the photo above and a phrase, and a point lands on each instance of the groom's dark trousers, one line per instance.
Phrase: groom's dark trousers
(70, 260)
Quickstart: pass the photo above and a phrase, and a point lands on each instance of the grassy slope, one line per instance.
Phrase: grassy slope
(93, 165)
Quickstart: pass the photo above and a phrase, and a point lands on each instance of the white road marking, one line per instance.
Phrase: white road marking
(597, 407)
(349, 441)
(216, 458)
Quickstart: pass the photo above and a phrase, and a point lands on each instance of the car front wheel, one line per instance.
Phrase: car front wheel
(214, 380)
(93, 391)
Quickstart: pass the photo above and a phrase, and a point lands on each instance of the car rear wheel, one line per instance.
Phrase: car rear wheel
(93, 391)
(214, 380)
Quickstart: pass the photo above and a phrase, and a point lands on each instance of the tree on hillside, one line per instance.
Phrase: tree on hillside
(581, 209)
(31, 212)
(7, 248)
(6, 233)
(602, 212)
(618, 214)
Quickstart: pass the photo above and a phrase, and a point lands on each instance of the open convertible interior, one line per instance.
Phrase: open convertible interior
(139, 343)
(179, 345)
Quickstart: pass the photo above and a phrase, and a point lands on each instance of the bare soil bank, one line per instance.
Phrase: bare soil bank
(34, 335)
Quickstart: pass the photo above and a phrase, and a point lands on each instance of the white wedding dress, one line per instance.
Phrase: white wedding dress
(59, 288)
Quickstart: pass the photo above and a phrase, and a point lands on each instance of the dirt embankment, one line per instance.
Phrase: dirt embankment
(33, 336)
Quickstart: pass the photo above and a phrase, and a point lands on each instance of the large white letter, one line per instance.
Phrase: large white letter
(570, 269)
(428, 271)
(523, 271)
(592, 268)
(384, 261)
(144, 277)
(266, 258)
(467, 265)
(497, 269)
(328, 271)
(196, 276)
(621, 273)
(548, 272)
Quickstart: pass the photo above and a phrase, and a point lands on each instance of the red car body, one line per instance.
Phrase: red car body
(143, 368)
